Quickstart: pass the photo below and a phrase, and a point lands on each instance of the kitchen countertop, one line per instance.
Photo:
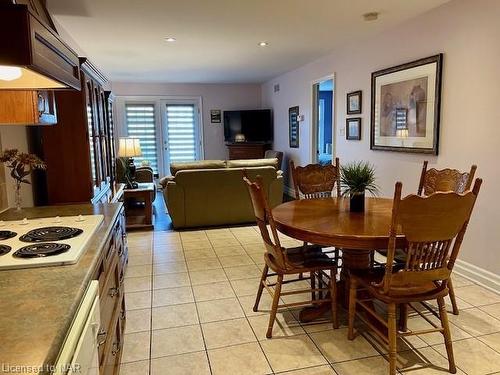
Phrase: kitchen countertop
(37, 305)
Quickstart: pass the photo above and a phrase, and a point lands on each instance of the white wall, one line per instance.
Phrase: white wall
(214, 96)
(467, 33)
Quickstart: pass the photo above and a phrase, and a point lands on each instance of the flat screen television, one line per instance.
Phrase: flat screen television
(255, 125)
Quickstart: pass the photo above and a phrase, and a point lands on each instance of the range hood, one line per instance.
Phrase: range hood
(32, 55)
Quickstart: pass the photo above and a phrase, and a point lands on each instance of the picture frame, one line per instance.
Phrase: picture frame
(293, 127)
(354, 102)
(406, 106)
(215, 116)
(353, 129)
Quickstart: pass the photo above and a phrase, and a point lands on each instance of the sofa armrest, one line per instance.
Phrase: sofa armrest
(174, 199)
(165, 180)
(276, 191)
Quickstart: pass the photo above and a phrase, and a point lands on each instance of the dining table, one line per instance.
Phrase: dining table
(330, 223)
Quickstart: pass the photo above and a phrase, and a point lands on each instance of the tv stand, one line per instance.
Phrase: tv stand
(247, 150)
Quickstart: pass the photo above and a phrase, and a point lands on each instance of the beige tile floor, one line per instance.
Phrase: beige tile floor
(189, 302)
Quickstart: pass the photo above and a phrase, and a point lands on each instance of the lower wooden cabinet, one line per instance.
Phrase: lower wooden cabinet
(111, 273)
(245, 150)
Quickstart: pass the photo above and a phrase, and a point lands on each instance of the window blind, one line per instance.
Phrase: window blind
(140, 119)
(181, 132)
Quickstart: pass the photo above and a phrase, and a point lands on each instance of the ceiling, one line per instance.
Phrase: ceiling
(217, 40)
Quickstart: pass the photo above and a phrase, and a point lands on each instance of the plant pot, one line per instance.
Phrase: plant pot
(357, 202)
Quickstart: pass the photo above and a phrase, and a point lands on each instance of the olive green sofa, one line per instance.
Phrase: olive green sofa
(212, 192)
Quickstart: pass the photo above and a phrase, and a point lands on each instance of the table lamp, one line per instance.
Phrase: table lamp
(130, 148)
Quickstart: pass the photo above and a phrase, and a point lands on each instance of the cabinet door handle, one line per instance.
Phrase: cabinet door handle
(113, 292)
(101, 337)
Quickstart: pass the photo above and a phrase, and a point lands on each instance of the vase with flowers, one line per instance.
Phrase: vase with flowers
(21, 164)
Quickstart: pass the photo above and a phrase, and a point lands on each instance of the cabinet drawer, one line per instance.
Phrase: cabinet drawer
(110, 305)
(111, 363)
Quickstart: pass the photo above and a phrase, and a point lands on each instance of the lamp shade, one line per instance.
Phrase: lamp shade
(129, 147)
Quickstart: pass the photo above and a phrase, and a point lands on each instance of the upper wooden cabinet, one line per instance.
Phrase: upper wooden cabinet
(23, 107)
(41, 59)
(79, 150)
(37, 8)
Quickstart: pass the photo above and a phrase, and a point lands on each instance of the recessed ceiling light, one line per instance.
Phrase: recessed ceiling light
(263, 44)
(371, 16)
(170, 39)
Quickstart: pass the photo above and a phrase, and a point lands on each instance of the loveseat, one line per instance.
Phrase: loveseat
(212, 192)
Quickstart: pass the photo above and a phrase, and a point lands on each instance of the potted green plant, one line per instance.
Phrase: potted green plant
(21, 164)
(357, 178)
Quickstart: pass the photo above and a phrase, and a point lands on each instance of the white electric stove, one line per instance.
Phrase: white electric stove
(45, 241)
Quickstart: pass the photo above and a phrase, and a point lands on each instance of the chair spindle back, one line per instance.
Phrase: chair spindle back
(264, 217)
(434, 227)
(434, 180)
(315, 181)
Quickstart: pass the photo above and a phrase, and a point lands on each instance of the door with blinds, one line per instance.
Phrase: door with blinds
(141, 123)
(181, 133)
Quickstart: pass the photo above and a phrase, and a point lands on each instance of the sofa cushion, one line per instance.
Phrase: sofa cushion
(247, 163)
(200, 164)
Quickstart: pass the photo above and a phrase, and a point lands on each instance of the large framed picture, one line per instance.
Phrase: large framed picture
(293, 122)
(405, 107)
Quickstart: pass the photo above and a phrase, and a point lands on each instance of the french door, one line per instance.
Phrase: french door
(181, 132)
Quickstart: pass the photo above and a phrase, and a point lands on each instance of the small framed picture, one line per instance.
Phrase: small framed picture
(354, 103)
(215, 116)
(293, 127)
(353, 129)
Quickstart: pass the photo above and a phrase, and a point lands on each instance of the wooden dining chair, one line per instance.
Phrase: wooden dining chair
(288, 261)
(435, 180)
(434, 227)
(315, 181)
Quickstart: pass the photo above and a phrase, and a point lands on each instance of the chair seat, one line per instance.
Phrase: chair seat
(370, 278)
(304, 259)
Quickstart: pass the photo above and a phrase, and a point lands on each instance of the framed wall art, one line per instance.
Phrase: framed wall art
(405, 107)
(353, 129)
(215, 116)
(354, 102)
(293, 123)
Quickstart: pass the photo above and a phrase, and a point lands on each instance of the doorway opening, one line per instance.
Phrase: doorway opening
(323, 124)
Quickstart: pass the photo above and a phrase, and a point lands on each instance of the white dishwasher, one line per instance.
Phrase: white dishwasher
(79, 354)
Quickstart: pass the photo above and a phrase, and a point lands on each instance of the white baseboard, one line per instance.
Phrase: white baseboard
(480, 276)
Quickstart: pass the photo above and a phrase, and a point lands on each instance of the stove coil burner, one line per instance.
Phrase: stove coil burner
(50, 234)
(6, 234)
(41, 250)
(4, 249)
